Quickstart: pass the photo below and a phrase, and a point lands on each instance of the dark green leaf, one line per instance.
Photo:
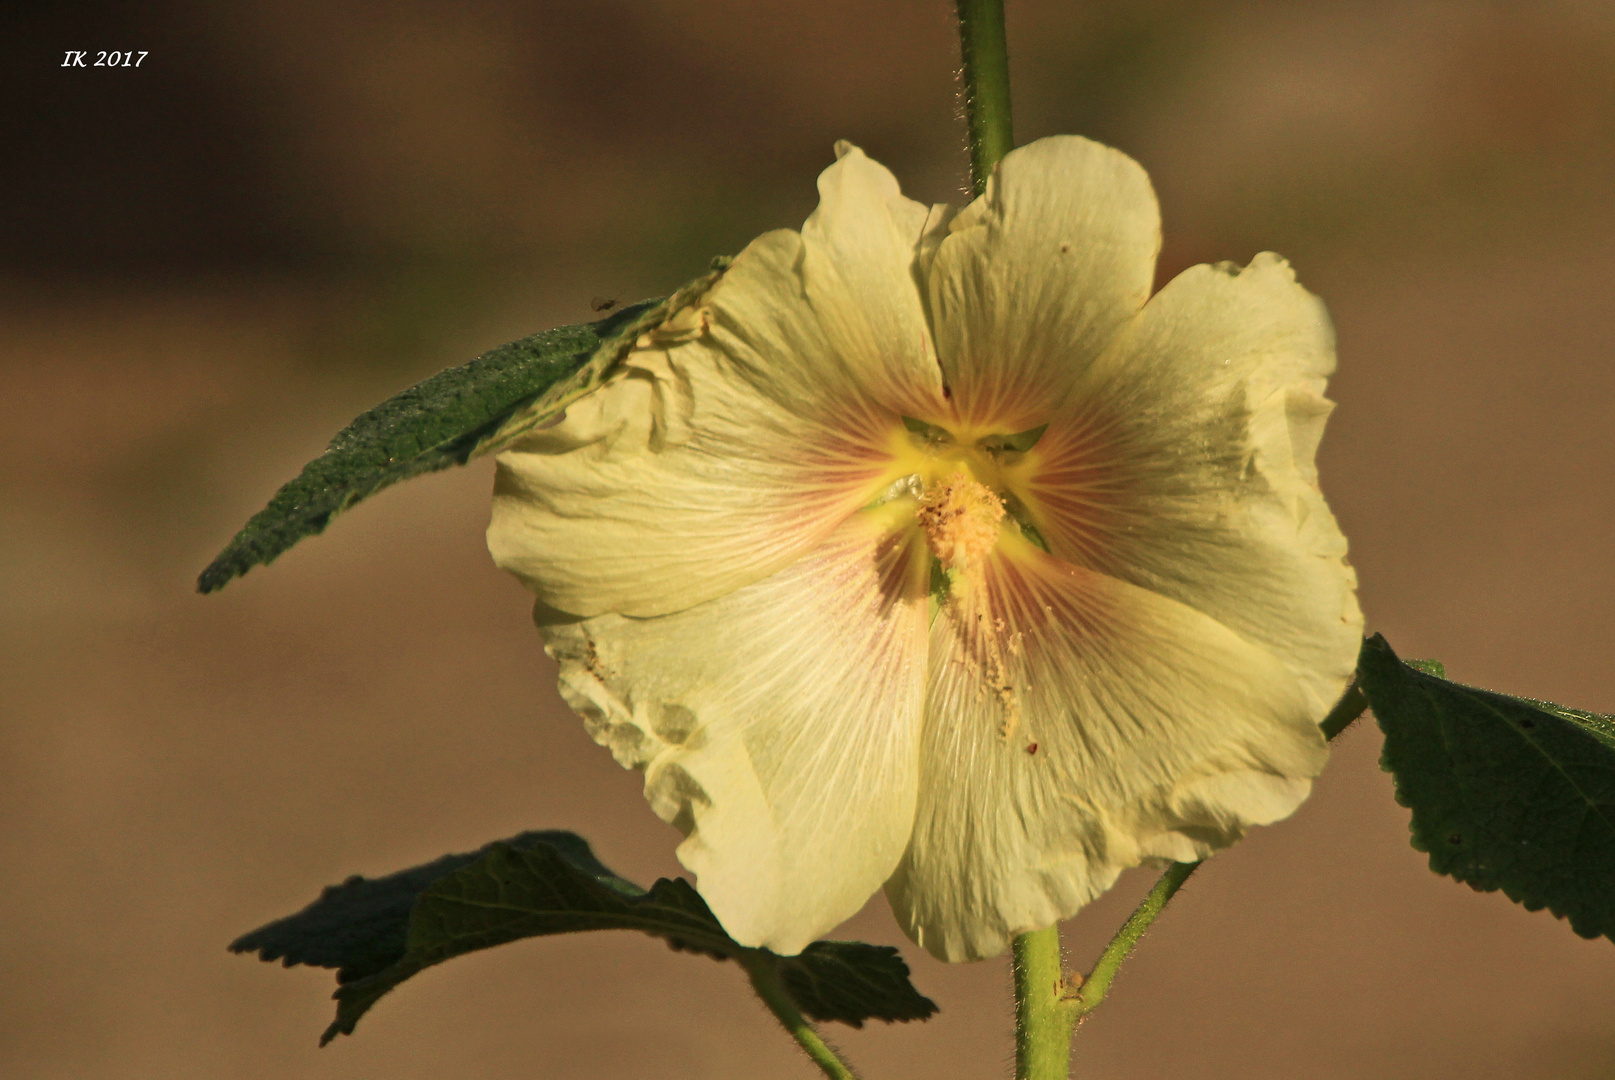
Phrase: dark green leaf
(361, 926)
(379, 933)
(1506, 793)
(446, 420)
(851, 981)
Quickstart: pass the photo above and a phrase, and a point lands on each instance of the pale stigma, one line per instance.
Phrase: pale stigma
(961, 519)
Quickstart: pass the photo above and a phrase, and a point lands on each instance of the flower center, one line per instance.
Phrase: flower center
(961, 519)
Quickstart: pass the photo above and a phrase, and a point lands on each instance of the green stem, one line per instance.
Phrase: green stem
(763, 969)
(1351, 705)
(1097, 984)
(1044, 1017)
(984, 47)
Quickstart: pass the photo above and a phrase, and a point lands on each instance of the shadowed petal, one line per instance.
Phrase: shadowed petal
(1076, 725)
(778, 727)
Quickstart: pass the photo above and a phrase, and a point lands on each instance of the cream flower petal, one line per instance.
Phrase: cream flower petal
(1183, 463)
(724, 545)
(858, 269)
(778, 727)
(1158, 733)
(702, 465)
(1037, 275)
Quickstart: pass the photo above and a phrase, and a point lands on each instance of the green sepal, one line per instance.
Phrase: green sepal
(448, 419)
(1506, 793)
(1018, 443)
(928, 434)
(377, 933)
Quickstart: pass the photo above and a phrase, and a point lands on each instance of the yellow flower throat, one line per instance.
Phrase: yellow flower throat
(963, 492)
(960, 488)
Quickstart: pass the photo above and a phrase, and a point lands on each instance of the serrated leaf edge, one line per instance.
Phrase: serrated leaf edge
(1535, 901)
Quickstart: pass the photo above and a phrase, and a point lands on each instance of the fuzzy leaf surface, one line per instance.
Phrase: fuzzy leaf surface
(446, 420)
(1506, 793)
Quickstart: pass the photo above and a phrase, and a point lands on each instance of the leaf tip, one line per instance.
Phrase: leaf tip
(217, 575)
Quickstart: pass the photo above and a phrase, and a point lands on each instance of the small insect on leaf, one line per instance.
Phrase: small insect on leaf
(601, 303)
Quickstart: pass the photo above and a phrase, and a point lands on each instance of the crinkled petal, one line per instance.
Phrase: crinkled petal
(1038, 274)
(778, 727)
(1183, 463)
(702, 465)
(1075, 726)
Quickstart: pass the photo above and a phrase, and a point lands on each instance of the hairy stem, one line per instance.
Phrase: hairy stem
(985, 50)
(1097, 984)
(1044, 1017)
(1351, 705)
(763, 970)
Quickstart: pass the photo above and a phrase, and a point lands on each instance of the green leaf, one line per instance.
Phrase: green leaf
(1506, 793)
(852, 981)
(1429, 667)
(379, 933)
(450, 418)
(361, 926)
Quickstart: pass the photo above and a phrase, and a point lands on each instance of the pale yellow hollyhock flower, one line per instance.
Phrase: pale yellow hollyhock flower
(808, 560)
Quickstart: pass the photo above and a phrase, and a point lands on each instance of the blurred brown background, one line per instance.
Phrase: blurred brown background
(291, 210)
